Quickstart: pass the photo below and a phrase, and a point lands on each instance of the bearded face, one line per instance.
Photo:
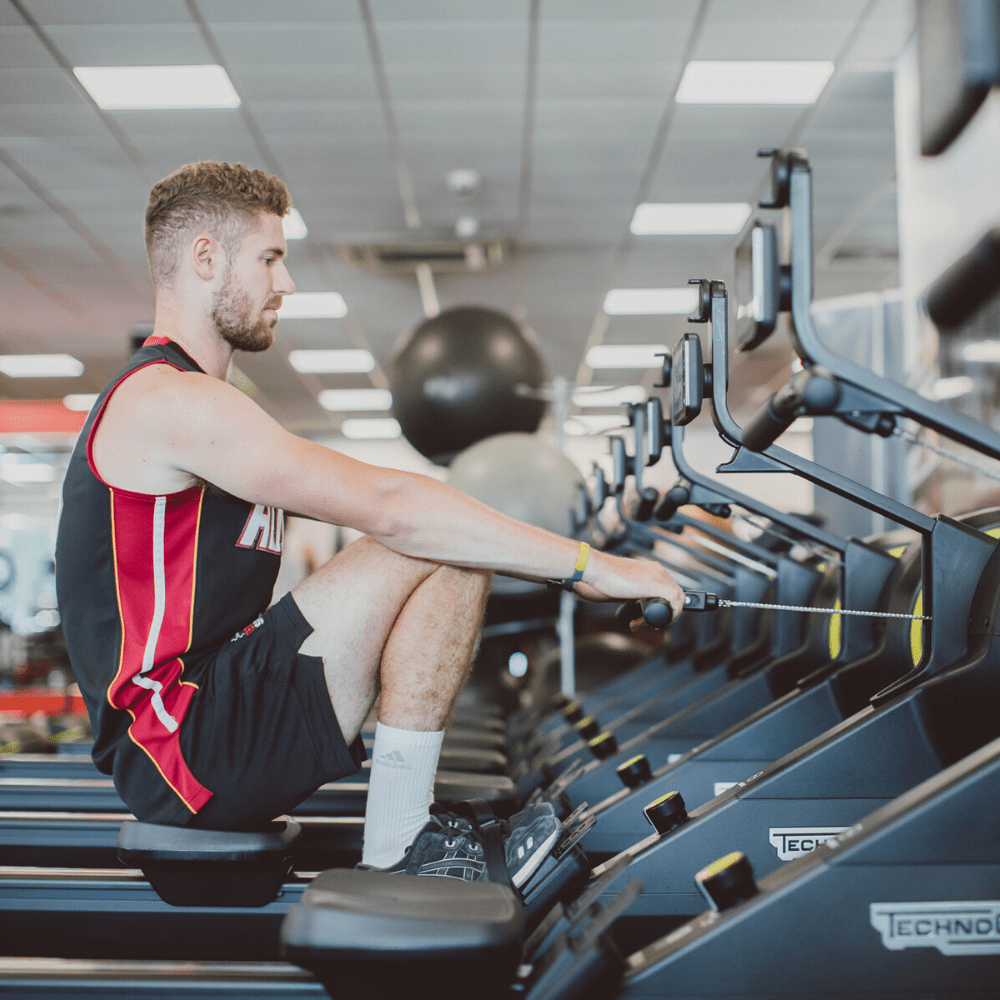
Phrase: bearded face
(239, 321)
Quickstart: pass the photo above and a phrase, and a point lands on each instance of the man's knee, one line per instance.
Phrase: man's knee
(476, 582)
(479, 580)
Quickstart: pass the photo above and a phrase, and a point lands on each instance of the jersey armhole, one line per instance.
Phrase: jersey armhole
(100, 415)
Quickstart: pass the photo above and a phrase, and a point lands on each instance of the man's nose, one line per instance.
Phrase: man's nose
(283, 284)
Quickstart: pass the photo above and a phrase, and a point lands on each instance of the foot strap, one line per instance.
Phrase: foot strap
(492, 832)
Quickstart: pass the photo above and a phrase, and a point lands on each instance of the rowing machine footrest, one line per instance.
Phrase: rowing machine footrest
(458, 786)
(375, 934)
(190, 867)
(558, 880)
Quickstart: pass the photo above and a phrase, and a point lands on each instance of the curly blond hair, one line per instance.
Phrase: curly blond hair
(220, 198)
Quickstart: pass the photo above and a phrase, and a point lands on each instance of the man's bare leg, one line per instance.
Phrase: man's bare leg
(410, 627)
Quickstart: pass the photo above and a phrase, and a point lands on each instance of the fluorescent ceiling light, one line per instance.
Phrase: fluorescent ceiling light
(690, 219)
(347, 360)
(80, 401)
(294, 226)
(40, 366)
(373, 428)
(952, 388)
(608, 395)
(16, 468)
(340, 400)
(313, 305)
(650, 301)
(753, 82)
(120, 88)
(982, 350)
(593, 423)
(626, 356)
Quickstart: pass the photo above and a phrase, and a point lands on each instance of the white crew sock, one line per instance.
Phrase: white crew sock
(400, 792)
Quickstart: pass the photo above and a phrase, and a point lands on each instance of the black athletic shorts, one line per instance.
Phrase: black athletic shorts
(260, 732)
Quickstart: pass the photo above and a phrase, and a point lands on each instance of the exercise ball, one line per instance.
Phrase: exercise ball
(455, 380)
(525, 478)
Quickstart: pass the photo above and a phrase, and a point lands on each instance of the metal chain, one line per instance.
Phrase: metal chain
(945, 453)
(723, 603)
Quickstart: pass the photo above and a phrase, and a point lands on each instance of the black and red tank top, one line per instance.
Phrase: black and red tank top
(148, 587)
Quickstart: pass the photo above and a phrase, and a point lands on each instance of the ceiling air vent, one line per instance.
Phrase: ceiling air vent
(450, 257)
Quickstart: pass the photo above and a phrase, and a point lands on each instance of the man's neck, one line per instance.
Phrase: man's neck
(200, 339)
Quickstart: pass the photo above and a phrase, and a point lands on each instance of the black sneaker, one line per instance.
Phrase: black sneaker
(533, 831)
(451, 846)
(447, 846)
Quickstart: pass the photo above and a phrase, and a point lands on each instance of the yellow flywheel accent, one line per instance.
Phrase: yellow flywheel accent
(833, 633)
(917, 627)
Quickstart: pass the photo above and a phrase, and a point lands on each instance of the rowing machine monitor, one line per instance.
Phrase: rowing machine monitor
(763, 287)
(687, 380)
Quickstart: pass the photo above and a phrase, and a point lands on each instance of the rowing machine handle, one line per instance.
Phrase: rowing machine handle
(653, 610)
(647, 501)
(699, 600)
(676, 496)
(813, 390)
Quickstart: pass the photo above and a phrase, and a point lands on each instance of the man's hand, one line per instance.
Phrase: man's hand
(609, 578)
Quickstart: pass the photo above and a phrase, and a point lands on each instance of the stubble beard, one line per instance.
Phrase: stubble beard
(232, 313)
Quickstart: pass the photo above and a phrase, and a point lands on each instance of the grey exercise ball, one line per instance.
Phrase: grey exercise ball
(521, 476)
(464, 375)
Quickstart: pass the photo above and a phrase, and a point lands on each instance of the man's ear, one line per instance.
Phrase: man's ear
(206, 256)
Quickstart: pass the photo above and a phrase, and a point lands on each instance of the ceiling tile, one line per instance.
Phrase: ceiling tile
(777, 29)
(108, 13)
(302, 13)
(131, 44)
(251, 44)
(468, 44)
(37, 86)
(610, 41)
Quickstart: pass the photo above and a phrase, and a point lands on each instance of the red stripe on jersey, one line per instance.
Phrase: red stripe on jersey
(155, 550)
(155, 341)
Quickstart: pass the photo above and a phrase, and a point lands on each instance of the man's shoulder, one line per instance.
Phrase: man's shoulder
(160, 388)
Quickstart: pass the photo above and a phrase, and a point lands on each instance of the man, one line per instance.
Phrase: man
(208, 709)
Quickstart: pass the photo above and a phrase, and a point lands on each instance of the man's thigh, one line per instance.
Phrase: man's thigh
(352, 603)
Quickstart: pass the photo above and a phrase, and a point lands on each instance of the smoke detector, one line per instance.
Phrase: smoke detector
(464, 182)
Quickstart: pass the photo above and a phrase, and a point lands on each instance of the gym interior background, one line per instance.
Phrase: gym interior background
(448, 153)
(569, 164)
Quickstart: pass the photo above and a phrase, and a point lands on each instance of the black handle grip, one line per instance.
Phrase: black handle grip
(764, 428)
(813, 390)
(654, 429)
(656, 612)
(968, 284)
(676, 496)
(601, 492)
(647, 501)
(620, 463)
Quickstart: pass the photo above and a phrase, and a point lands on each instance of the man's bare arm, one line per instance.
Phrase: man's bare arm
(202, 427)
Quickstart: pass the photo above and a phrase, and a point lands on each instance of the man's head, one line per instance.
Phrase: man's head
(207, 215)
(222, 199)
